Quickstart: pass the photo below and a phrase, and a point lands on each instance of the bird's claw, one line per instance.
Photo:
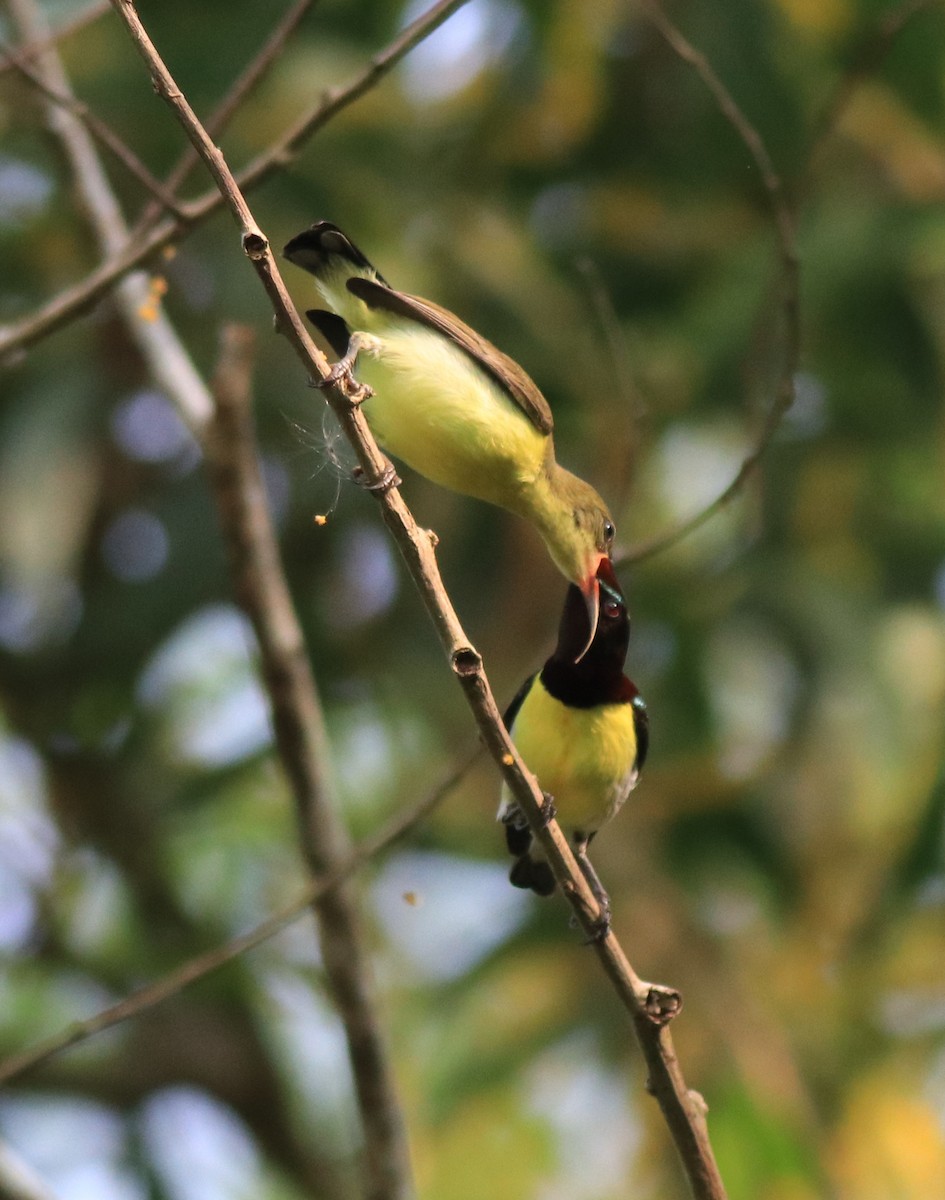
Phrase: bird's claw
(341, 376)
(548, 812)
(600, 927)
(596, 929)
(389, 479)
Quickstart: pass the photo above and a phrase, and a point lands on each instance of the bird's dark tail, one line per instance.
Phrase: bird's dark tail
(323, 249)
(527, 873)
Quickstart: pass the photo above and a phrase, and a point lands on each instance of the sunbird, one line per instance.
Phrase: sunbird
(582, 729)
(452, 406)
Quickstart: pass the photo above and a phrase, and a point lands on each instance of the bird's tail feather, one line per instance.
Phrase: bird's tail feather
(324, 249)
(518, 837)
(332, 328)
(527, 873)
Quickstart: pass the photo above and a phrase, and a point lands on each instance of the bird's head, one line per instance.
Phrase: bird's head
(579, 540)
(603, 648)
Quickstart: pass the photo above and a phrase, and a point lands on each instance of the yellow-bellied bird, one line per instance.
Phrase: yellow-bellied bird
(452, 406)
(582, 729)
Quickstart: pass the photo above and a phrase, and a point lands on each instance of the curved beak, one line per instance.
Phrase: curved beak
(590, 590)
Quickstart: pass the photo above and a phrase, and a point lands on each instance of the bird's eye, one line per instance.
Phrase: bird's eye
(609, 532)
(611, 608)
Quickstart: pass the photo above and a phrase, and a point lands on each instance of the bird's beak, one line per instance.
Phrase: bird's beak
(590, 590)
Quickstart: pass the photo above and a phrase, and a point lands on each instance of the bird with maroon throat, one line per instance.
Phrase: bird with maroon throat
(581, 727)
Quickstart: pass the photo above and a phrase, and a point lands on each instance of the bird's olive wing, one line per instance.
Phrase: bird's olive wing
(503, 370)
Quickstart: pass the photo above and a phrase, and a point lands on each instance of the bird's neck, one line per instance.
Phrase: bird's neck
(588, 683)
(548, 505)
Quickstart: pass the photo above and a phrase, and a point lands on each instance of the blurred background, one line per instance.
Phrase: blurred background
(557, 176)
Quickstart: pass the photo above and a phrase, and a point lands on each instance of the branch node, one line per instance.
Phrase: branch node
(255, 246)
(698, 1103)
(661, 1003)
(434, 538)
(466, 661)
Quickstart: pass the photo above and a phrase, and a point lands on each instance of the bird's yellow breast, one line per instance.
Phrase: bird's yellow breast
(583, 757)
(443, 416)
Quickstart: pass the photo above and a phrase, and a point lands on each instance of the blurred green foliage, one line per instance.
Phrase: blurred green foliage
(547, 170)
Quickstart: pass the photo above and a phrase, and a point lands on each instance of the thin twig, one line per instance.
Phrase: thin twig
(140, 248)
(630, 402)
(298, 720)
(137, 297)
(204, 964)
(868, 60)
(165, 199)
(651, 1006)
(226, 109)
(27, 53)
(870, 56)
(784, 226)
(602, 303)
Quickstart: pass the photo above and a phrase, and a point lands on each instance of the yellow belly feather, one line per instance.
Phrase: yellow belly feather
(583, 757)
(440, 414)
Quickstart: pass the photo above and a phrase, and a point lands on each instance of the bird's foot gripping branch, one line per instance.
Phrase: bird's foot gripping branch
(382, 483)
(549, 811)
(342, 376)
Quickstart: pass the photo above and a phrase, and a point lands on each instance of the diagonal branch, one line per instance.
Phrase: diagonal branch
(784, 227)
(870, 56)
(167, 360)
(28, 52)
(165, 198)
(140, 248)
(296, 708)
(225, 110)
(263, 593)
(202, 965)
(650, 1006)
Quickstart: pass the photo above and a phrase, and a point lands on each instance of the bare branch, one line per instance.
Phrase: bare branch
(27, 53)
(876, 47)
(336, 99)
(72, 301)
(263, 593)
(201, 965)
(651, 1007)
(225, 110)
(630, 402)
(137, 298)
(874, 50)
(140, 248)
(784, 226)
(166, 200)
